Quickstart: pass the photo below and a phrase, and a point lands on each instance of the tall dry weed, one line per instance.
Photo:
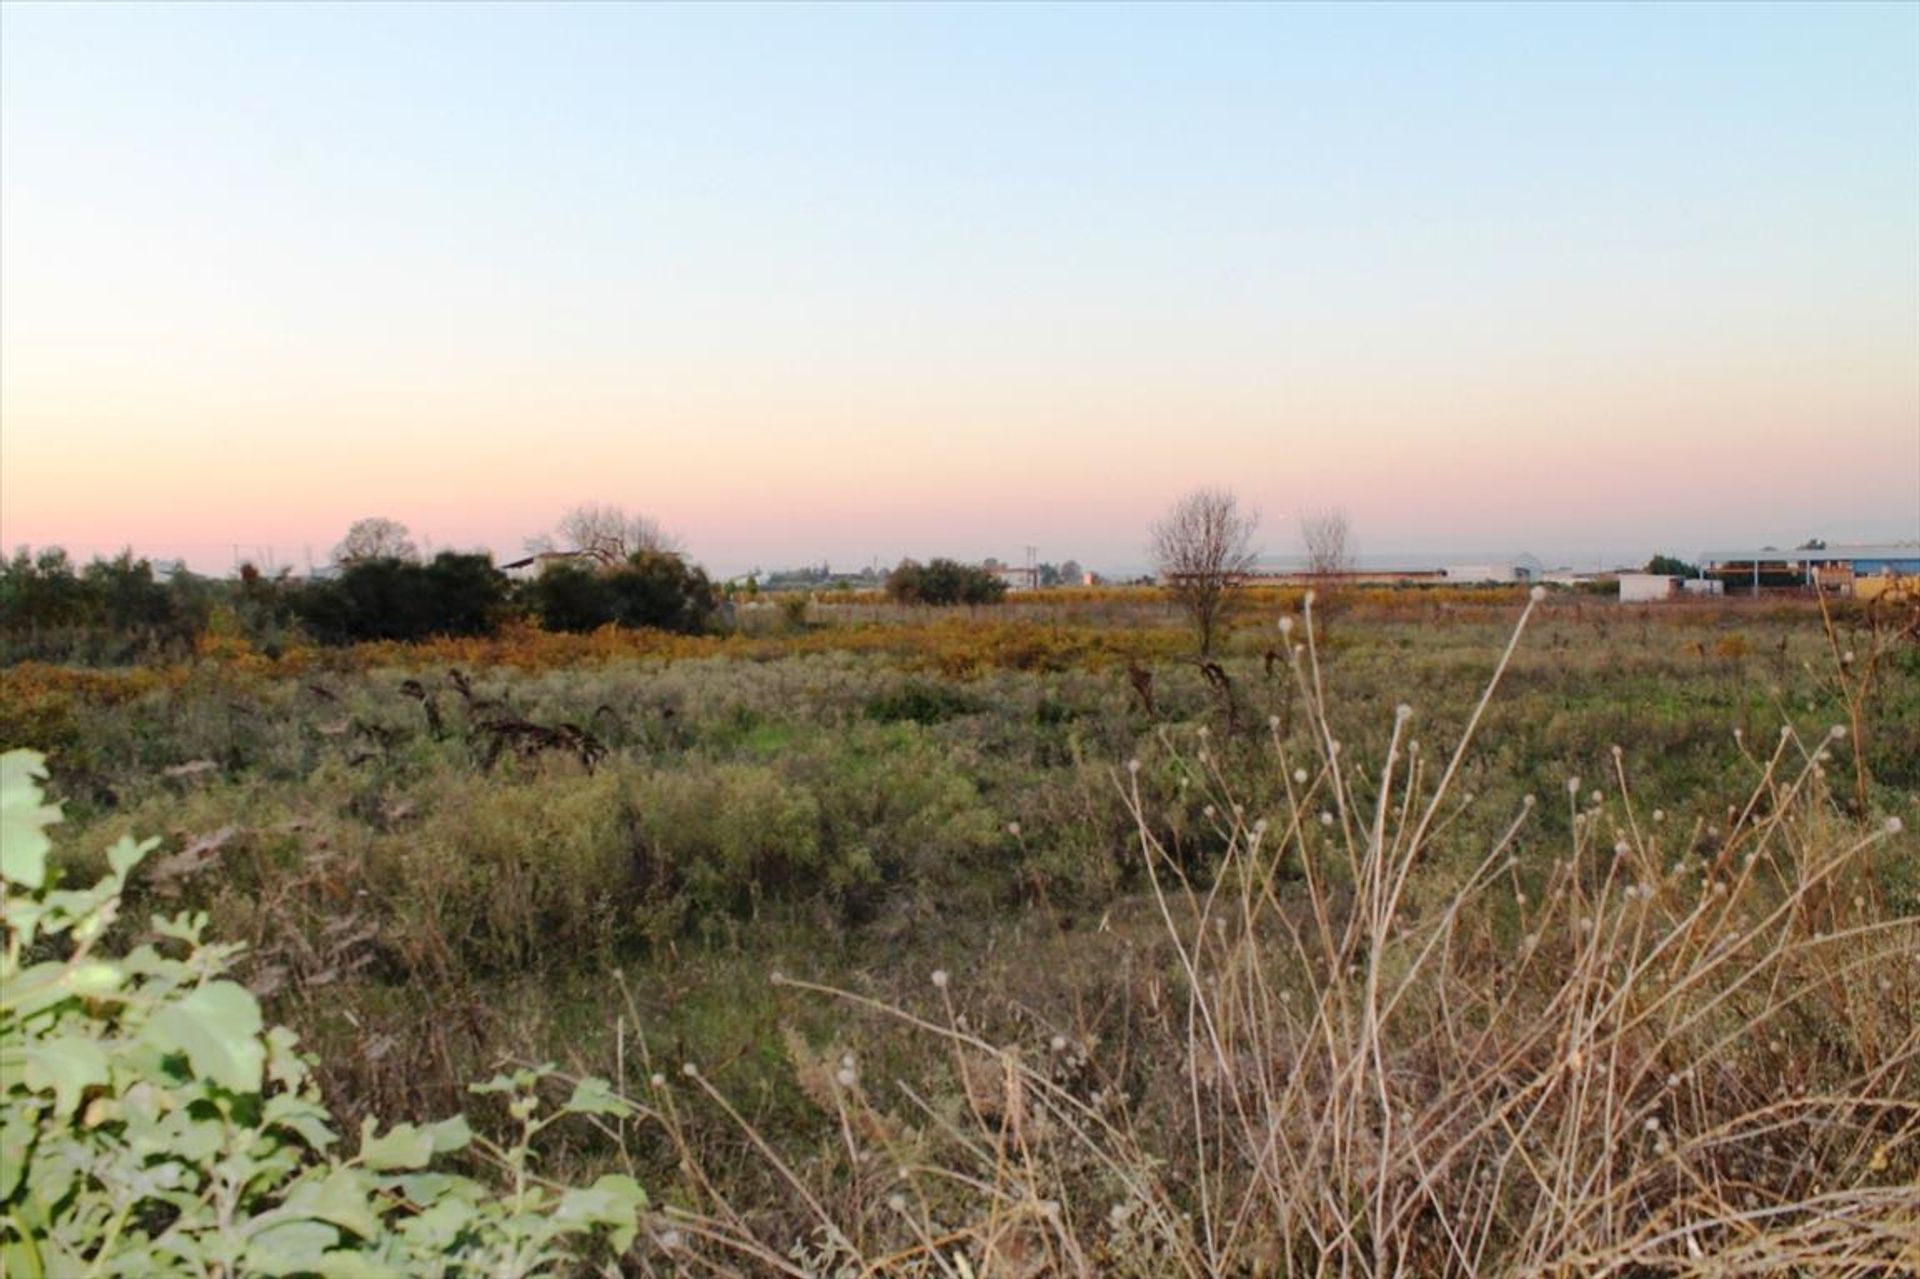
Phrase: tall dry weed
(1659, 1048)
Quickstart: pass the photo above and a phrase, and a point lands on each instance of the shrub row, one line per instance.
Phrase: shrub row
(121, 610)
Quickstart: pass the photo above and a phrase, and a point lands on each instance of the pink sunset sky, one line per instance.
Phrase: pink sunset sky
(855, 284)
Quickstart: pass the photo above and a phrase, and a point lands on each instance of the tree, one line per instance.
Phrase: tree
(467, 595)
(659, 589)
(42, 590)
(944, 581)
(1203, 550)
(1669, 566)
(1328, 536)
(126, 595)
(653, 588)
(376, 538)
(605, 534)
(390, 599)
(570, 597)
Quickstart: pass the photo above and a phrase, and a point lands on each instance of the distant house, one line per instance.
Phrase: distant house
(1860, 570)
(1520, 568)
(1017, 577)
(1646, 588)
(534, 565)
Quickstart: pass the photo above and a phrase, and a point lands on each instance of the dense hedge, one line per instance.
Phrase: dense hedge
(943, 581)
(124, 611)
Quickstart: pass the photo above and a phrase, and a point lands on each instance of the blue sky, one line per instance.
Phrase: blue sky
(864, 281)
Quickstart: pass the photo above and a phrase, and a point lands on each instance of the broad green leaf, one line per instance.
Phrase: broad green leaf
(20, 1258)
(284, 1063)
(614, 1201)
(307, 1247)
(300, 1115)
(44, 985)
(16, 1141)
(499, 1083)
(596, 1097)
(402, 1147)
(450, 1135)
(24, 817)
(126, 854)
(218, 1027)
(439, 1226)
(69, 1066)
(435, 1187)
(93, 979)
(290, 1247)
(341, 1198)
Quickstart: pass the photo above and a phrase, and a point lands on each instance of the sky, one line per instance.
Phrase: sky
(857, 282)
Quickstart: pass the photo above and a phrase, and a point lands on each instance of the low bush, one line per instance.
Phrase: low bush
(943, 581)
(154, 1124)
(652, 589)
(392, 599)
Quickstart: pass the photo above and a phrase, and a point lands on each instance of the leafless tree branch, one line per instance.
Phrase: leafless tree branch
(1329, 538)
(1202, 551)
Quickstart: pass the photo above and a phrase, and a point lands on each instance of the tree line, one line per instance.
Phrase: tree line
(598, 567)
(124, 608)
(615, 570)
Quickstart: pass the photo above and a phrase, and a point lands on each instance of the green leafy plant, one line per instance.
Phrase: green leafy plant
(153, 1124)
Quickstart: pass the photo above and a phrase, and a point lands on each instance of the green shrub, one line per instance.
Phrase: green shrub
(923, 702)
(152, 1123)
(726, 836)
(651, 589)
(570, 597)
(943, 581)
(392, 599)
(512, 876)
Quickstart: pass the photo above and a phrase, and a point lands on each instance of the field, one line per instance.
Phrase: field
(1020, 942)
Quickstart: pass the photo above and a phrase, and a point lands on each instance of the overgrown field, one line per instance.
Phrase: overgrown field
(1029, 945)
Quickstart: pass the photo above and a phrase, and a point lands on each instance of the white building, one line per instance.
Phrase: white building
(1017, 577)
(1646, 588)
(1521, 568)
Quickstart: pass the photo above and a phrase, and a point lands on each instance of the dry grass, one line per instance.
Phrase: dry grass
(1647, 1052)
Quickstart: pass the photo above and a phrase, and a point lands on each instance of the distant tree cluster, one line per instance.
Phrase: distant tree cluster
(620, 572)
(48, 605)
(389, 598)
(649, 588)
(1668, 566)
(944, 581)
(1068, 574)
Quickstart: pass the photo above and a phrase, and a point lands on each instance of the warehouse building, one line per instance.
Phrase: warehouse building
(1862, 571)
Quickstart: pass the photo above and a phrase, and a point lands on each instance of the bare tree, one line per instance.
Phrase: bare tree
(1329, 538)
(1202, 550)
(606, 534)
(375, 538)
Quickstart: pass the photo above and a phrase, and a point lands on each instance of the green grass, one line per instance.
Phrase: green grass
(859, 819)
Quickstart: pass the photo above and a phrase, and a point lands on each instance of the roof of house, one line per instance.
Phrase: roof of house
(543, 557)
(1825, 554)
